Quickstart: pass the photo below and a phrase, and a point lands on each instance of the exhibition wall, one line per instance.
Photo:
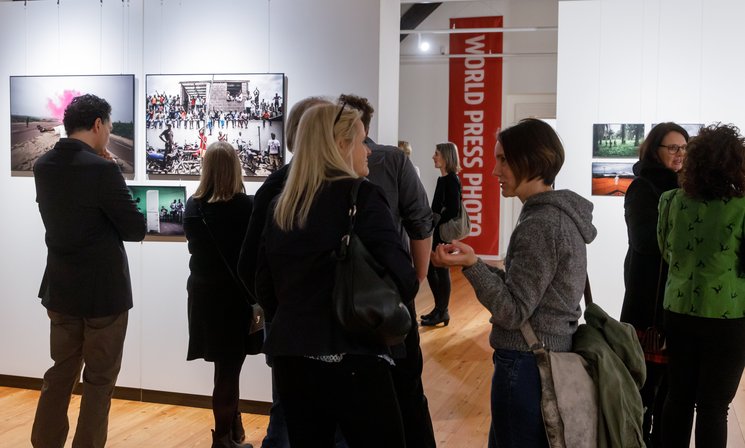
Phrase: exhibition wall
(324, 47)
(640, 61)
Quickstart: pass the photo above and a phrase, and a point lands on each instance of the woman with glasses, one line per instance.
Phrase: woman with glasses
(325, 377)
(701, 231)
(661, 157)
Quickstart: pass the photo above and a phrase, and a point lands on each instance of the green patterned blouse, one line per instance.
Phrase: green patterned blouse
(701, 242)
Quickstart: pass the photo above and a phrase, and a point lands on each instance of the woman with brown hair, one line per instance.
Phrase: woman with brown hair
(661, 157)
(215, 222)
(446, 204)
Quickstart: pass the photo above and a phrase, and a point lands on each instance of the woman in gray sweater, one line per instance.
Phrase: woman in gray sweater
(543, 279)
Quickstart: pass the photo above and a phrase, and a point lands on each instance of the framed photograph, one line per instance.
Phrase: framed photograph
(617, 140)
(184, 114)
(37, 106)
(611, 178)
(163, 208)
(692, 129)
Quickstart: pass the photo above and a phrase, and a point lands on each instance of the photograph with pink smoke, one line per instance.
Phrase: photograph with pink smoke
(37, 106)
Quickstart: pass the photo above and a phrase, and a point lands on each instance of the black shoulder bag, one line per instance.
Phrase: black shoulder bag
(257, 317)
(366, 300)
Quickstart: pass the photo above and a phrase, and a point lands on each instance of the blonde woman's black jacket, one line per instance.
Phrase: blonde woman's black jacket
(295, 271)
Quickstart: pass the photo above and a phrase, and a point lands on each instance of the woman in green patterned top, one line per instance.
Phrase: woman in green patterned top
(700, 232)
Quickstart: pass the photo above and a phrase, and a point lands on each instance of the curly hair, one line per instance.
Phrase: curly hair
(715, 165)
(81, 114)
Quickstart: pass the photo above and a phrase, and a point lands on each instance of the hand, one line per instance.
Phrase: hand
(454, 254)
(106, 154)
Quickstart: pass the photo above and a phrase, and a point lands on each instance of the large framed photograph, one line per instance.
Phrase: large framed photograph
(617, 140)
(163, 208)
(184, 114)
(611, 178)
(37, 106)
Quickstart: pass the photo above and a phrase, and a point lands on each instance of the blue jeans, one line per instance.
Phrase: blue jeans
(516, 402)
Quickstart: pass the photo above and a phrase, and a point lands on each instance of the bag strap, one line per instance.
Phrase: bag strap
(346, 238)
(249, 297)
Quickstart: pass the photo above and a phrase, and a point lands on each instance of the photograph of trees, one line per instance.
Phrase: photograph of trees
(617, 140)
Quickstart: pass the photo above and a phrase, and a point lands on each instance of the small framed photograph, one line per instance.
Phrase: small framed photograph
(163, 208)
(611, 178)
(37, 107)
(619, 141)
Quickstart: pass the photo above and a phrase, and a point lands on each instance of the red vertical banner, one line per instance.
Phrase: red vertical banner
(474, 118)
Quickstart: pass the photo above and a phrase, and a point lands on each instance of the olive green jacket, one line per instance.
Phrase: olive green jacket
(616, 364)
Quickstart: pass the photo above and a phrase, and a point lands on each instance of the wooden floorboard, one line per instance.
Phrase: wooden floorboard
(457, 379)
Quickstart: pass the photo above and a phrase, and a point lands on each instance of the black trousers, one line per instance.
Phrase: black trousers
(357, 394)
(707, 357)
(407, 379)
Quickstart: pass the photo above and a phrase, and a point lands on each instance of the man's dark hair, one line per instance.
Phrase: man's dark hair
(82, 112)
(362, 105)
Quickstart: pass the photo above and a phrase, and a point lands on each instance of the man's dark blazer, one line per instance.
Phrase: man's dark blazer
(87, 212)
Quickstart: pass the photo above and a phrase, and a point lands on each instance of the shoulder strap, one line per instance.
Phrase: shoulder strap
(352, 215)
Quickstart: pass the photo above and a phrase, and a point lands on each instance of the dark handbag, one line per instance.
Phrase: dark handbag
(366, 300)
(257, 313)
(652, 339)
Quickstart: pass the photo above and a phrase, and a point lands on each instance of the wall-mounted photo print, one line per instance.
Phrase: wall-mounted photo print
(692, 129)
(163, 208)
(611, 178)
(37, 106)
(617, 140)
(185, 113)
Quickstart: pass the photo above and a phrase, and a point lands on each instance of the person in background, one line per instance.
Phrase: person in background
(406, 148)
(324, 376)
(392, 171)
(661, 157)
(445, 204)
(219, 311)
(700, 233)
(88, 212)
(551, 237)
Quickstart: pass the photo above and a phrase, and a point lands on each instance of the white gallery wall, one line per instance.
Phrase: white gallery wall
(640, 61)
(324, 47)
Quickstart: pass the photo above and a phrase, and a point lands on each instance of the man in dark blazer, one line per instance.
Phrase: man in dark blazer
(391, 170)
(88, 212)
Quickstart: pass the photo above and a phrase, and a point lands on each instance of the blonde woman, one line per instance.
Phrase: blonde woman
(325, 377)
(215, 222)
(446, 203)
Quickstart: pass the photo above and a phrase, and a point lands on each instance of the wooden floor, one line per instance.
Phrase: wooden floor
(457, 376)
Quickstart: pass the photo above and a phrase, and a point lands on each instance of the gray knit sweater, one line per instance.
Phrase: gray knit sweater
(544, 276)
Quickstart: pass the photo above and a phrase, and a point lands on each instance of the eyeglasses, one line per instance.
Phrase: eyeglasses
(674, 149)
(338, 115)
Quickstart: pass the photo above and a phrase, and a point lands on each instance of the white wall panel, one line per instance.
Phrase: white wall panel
(324, 47)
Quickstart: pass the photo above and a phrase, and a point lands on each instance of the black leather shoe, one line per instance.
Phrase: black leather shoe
(429, 315)
(437, 318)
(238, 433)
